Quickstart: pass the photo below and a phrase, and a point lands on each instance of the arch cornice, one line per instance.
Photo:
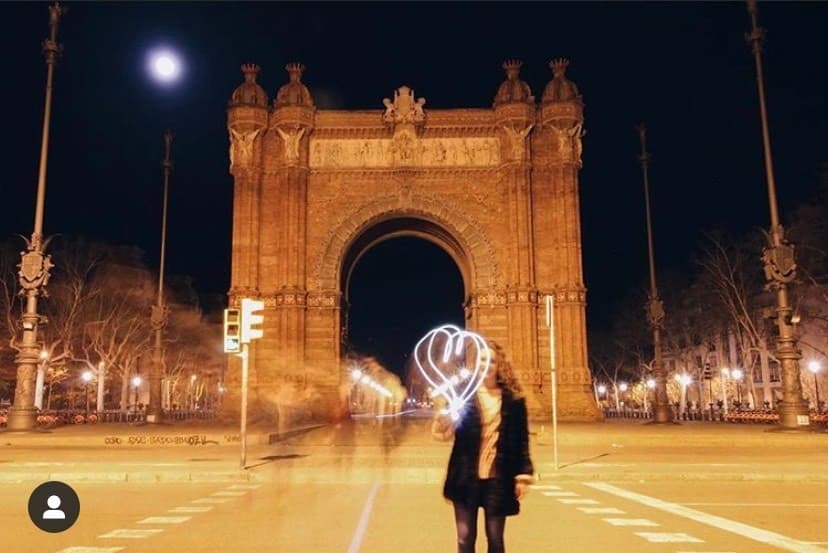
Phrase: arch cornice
(472, 239)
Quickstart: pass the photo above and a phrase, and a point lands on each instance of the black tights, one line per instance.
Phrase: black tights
(465, 518)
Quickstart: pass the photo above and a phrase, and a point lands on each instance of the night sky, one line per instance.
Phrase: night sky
(683, 68)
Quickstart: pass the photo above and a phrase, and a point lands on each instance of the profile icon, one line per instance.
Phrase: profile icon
(53, 513)
(54, 506)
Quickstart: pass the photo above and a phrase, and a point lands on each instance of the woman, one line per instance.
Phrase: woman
(490, 466)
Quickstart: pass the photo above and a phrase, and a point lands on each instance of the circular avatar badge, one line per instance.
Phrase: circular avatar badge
(54, 506)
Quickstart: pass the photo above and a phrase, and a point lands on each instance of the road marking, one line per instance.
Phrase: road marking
(131, 533)
(244, 487)
(756, 534)
(80, 549)
(544, 487)
(579, 501)
(191, 509)
(704, 552)
(668, 537)
(560, 494)
(601, 511)
(215, 500)
(630, 522)
(164, 520)
(762, 504)
(359, 533)
(228, 494)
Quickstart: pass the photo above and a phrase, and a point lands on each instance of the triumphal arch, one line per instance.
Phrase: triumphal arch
(495, 187)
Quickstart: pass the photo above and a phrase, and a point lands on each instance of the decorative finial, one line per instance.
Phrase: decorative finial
(295, 71)
(559, 66)
(251, 71)
(512, 67)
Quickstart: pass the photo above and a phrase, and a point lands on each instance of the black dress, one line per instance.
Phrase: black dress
(462, 483)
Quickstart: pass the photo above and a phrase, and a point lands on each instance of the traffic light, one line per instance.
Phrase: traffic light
(232, 331)
(250, 320)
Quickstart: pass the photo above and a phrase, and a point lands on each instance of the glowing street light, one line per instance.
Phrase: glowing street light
(136, 382)
(737, 375)
(87, 378)
(814, 367)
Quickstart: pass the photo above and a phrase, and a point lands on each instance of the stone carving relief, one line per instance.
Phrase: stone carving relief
(403, 109)
(404, 149)
(569, 142)
(241, 147)
(292, 139)
(517, 141)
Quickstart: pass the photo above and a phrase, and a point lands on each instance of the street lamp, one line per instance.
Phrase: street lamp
(814, 367)
(158, 318)
(737, 375)
(34, 263)
(779, 262)
(136, 382)
(655, 307)
(86, 377)
(725, 375)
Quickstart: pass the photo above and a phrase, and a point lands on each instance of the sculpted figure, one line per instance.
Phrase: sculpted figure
(292, 140)
(241, 146)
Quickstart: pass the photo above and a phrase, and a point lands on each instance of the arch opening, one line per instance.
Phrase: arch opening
(399, 279)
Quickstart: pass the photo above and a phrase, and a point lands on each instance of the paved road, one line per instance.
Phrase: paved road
(645, 517)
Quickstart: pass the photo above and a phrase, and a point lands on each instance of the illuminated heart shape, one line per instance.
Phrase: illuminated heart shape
(441, 355)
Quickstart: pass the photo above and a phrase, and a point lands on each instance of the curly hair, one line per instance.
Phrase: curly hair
(506, 377)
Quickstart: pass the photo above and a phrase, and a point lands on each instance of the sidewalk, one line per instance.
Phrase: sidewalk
(368, 451)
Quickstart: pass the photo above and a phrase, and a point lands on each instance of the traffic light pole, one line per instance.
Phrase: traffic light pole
(245, 355)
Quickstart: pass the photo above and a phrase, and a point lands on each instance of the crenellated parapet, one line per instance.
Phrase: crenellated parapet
(561, 115)
(514, 108)
(246, 121)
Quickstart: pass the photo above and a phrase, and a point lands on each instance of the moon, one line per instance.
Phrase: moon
(165, 66)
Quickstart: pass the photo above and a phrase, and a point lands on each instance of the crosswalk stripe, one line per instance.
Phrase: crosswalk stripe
(630, 522)
(131, 533)
(668, 537)
(560, 494)
(228, 494)
(244, 487)
(601, 510)
(215, 500)
(82, 549)
(191, 509)
(164, 520)
(751, 532)
(544, 487)
(578, 501)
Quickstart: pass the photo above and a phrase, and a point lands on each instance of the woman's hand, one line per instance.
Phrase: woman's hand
(521, 489)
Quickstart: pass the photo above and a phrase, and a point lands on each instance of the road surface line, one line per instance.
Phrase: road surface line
(228, 494)
(630, 522)
(560, 494)
(544, 487)
(601, 511)
(213, 500)
(578, 501)
(745, 530)
(359, 533)
(164, 520)
(762, 504)
(668, 537)
(81, 549)
(191, 509)
(131, 533)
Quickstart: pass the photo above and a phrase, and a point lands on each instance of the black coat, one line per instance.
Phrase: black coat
(511, 458)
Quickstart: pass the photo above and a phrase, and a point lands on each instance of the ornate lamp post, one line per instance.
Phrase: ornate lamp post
(136, 383)
(779, 261)
(737, 375)
(662, 413)
(158, 318)
(34, 263)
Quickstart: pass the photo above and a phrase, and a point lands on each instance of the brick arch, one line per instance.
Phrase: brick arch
(473, 243)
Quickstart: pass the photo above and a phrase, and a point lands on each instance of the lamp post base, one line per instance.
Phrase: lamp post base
(22, 420)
